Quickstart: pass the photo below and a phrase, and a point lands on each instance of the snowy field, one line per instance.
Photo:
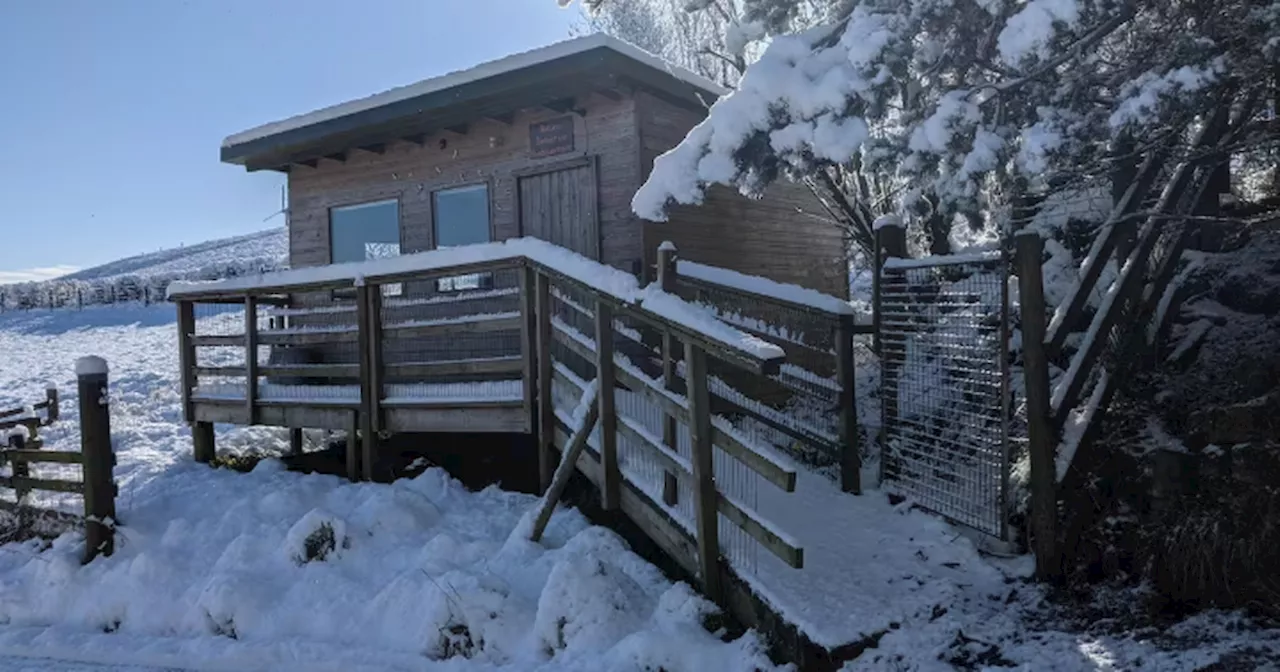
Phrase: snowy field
(211, 568)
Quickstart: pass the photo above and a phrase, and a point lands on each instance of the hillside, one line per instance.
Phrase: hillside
(145, 277)
(270, 247)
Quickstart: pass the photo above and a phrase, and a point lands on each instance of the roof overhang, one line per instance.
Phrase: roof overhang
(549, 77)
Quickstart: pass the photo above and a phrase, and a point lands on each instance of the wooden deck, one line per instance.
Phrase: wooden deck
(688, 416)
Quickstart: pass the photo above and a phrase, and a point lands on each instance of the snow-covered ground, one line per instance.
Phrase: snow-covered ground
(210, 569)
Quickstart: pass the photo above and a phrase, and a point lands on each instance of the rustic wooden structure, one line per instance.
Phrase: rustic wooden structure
(97, 460)
(558, 139)
(535, 388)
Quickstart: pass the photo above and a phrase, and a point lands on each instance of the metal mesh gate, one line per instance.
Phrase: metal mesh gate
(944, 337)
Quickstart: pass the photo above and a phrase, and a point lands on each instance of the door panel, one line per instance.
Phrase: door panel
(560, 207)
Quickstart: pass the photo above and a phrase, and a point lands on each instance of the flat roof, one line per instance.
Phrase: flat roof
(555, 72)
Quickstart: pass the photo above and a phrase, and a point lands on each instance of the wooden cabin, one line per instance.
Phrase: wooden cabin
(550, 143)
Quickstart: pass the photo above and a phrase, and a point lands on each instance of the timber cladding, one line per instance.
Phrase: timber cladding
(787, 235)
(487, 151)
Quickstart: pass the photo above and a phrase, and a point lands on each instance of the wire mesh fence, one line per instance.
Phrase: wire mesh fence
(946, 399)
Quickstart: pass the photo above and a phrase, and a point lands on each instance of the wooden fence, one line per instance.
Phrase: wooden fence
(96, 458)
(1146, 248)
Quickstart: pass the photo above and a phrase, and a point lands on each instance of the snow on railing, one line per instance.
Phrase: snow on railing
(602, 278)
(761, 286)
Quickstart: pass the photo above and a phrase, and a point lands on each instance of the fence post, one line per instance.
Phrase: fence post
(99, 460)
(850, 457)
(546, 405)
(187, 355)
(705, 496)
(53, 410)
(667, 281)
(368, 403)
(611, 477)
(891, 241)
(21, 470)
(1043, 439)
(528, 346)
(251, 358)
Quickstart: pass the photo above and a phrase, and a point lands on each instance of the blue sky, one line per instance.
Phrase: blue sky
(113, 111)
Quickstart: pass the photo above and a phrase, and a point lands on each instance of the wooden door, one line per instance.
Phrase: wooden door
(559, 206)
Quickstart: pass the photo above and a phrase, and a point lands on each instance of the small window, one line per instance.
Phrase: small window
(462, 218)
(365, 231)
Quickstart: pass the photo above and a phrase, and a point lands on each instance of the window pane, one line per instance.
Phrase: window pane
(462, 216)
(365, 231)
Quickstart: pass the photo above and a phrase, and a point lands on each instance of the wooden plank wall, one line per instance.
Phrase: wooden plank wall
(786, 236)
(490, 151)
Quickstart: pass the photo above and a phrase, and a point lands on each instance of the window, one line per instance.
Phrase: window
(462, 218)
(365, 231)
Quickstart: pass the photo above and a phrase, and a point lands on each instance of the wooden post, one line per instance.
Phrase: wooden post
(251, 359)
(850, 457)
(187, 355)
(295, 440)
(568, 463)
(368, 436)
(705, 497)
(891, 241)
(1043, 438)
(528, 347)
(202, 441)
(546, 405)
(21, 470)
(99, 460)
(353, 447)
(612, 476)
(377, 368)
(668, 281)
(52, 409)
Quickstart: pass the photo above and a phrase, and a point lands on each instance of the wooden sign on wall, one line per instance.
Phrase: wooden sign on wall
(551, 137)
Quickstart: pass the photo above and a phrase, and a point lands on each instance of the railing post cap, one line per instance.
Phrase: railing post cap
(91, 365)
(667, 246)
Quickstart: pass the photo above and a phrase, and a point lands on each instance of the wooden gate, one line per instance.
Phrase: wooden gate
(558, 205)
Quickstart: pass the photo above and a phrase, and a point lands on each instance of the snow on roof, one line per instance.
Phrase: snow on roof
(607, 279)
(485, 70)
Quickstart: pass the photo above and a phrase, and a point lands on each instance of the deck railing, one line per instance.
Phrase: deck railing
(669, 434)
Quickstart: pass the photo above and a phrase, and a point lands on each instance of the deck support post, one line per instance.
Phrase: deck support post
(546, 405)
(295, 440)
(847, 413)
(99, 460)
(605, 378)
(1043, 439)
(705, 496)
(202, 441)
(668, 280)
